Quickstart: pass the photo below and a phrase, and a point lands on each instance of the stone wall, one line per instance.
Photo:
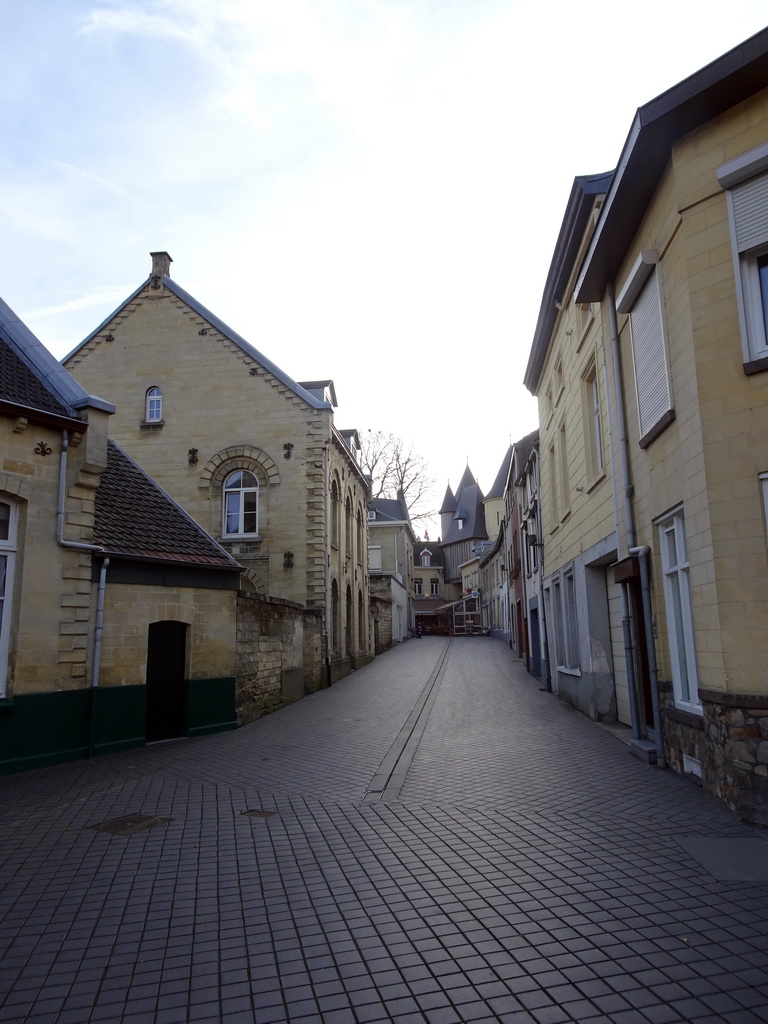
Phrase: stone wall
(735, 767)
(381, 613)
(278, 656)
(730, 740)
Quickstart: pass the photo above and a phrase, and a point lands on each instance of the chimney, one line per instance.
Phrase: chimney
(161, 267)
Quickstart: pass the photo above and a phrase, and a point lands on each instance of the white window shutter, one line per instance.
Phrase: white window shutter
(652, 382)
(750, 213)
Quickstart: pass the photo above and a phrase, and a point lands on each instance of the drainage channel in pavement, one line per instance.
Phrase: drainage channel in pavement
(390, 777)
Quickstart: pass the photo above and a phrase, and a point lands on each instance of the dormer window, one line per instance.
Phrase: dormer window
(426, 558)
(371, 513)
(459, 524)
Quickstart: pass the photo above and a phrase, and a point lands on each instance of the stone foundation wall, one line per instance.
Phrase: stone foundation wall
(278, 655)
(381, 615)
(730, 740)
(736, 752)
(683, 731)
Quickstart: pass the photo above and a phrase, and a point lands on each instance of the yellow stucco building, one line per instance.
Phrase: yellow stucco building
(651, 368)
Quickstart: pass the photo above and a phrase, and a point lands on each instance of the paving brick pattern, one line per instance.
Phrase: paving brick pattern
(529, 871)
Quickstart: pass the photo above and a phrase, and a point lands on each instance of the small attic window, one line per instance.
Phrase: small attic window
(154, 405)
(459, 524)
(153, 408)
(426, 558)
(371, 513)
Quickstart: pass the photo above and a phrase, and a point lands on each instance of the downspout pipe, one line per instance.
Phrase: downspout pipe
(629, 659)
(642, 553)
(99, 551)
(625, 542)
(626, 483)
(97, 653)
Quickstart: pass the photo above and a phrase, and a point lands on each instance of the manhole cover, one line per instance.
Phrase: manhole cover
(130, 823)
(259, 814)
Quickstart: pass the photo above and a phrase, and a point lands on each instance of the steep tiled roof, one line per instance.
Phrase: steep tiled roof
(433, 547)
(449, 501)
(18, 384)
(31, 377)
(497, 490)
(389, 510)
(469, 508)
(136, 519)
(523, 449)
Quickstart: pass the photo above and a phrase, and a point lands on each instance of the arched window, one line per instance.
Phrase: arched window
(335, 514)
(8, 520)
(348, 527)
(360, 537)
(335, 630)
(153, 406)
(241, 504)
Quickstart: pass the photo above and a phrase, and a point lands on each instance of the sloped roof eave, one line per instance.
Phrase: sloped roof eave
(696, 100)
(581, 201)
(219, 324)
(202, 562)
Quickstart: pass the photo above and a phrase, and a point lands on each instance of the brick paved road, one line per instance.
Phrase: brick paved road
(434, 840)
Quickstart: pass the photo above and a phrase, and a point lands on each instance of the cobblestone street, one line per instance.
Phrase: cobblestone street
(432, 839)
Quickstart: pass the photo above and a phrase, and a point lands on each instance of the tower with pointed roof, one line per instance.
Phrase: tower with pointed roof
(463, 525)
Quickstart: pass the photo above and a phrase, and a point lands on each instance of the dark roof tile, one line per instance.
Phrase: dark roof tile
(136, 519)
(20, 385)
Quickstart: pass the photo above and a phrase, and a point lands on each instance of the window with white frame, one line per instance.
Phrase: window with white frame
(153, 405)
(348, 527)
(426, 558)
(434, 587)
(418, 588)
(570, 623)
(745, 180)
(8, 531)
(564, 478)
(641, 299)
(241, 504)
(556, 620)
(679, 614)
(554, 499)
(335, 514)
(562, 619)
(592, 426)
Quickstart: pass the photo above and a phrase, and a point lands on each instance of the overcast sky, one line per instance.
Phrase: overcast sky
(366, 190)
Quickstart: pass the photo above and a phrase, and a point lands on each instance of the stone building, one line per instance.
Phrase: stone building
(390, 564)
(431, 597)
(253, 456)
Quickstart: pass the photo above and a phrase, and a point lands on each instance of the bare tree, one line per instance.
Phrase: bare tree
(394, 467)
